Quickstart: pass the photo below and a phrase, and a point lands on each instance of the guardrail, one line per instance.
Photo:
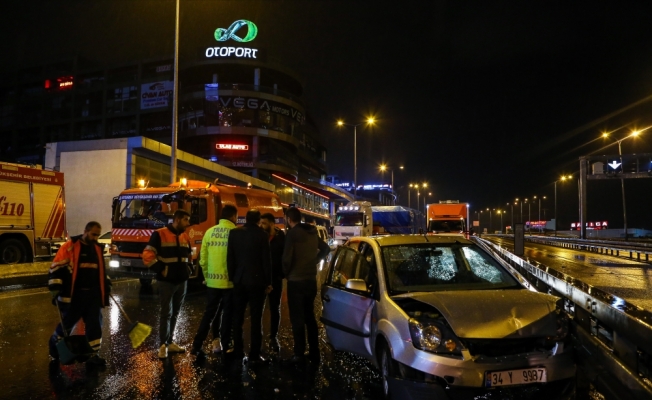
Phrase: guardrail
(613, 335)
(597, 246)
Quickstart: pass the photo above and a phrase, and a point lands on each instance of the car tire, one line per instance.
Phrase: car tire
(12, 251)
(388, 369)
(145, 281)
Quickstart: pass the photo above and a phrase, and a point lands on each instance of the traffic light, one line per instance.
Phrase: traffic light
(614, 167)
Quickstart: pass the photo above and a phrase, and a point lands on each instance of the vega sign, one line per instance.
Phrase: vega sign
(233, 32)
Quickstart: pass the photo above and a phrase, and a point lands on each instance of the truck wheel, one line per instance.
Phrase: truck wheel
(12, 251)
(145, 281)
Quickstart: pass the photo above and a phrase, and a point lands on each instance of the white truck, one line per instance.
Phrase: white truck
(360, 218)
(353, 219)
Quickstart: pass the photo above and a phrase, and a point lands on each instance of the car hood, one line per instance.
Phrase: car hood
(495, 314)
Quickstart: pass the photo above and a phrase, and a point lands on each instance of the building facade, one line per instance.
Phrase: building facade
(242, 114)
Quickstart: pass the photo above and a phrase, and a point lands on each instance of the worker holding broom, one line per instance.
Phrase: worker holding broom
(168, 253)
(80, 288)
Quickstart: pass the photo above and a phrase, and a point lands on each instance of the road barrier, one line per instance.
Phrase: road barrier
(613, 336)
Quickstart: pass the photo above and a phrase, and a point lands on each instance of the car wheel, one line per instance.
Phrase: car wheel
(146, 281)
(12, 251)
(388, 369)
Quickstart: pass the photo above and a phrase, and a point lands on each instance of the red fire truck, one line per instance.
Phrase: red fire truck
(138, 212)
(32, 212)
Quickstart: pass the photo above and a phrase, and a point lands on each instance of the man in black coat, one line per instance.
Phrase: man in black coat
(249, 263)
(303, 251)
(276, 243)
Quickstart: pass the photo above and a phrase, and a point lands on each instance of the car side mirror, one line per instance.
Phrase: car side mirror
(357, 284)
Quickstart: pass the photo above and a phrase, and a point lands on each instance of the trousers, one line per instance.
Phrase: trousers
(301, 304)
(254, 296)
(171, 295)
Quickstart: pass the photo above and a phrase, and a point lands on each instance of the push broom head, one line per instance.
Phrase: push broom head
(138, 333)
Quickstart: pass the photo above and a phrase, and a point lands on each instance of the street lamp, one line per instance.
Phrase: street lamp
(490, 223)
(416, 187)
(175, 100)
(425, 210)
(512, 216)
(501, 219)
(383, 168)
(539, 198)
(622, 180)
(529, 216)
(370, 121)
(563, 178)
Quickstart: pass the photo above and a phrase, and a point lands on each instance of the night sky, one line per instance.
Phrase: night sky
(485, 101)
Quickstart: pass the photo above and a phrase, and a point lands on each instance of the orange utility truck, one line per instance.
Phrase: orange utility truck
(138, 212)
(32, 212)
(448, 217)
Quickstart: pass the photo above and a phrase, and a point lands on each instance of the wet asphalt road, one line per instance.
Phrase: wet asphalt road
(628, 279)
(28, 319)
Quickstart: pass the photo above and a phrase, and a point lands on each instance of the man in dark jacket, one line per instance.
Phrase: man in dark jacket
(168, 253)
(276, 243)
(80, 288)
(303, 251)
(249, 263)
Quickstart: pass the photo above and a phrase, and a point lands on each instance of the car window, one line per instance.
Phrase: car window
(344, 266)
(434, 267)
(367, 267)
(106, 235)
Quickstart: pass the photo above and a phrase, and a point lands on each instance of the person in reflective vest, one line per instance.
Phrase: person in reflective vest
(168, 253)
(219, 288)
(80, 288)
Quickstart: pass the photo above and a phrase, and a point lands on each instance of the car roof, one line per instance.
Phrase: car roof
(394, 240)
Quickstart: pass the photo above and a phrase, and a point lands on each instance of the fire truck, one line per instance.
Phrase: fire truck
(32, 213)
(138, 212)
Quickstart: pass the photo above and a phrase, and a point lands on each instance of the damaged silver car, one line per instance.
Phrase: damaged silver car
(441, 316)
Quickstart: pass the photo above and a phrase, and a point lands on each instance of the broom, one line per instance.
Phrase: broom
(138, 332)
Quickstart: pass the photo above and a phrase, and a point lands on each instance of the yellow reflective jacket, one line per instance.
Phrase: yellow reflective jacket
(213, 255)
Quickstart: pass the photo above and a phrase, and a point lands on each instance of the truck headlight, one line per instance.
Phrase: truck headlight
(114, 264)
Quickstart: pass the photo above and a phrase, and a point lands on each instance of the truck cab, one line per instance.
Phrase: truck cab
(353, 219)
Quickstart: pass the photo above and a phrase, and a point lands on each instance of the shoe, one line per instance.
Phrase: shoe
(163, 351)
(254, 361)
(273, 345)
(295, 361)
(96, 361)
(217, 346)
(198, 352)
(52, 347)
(175, 348)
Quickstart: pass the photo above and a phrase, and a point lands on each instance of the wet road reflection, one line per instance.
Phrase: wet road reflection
(625, 279)
(28, 319)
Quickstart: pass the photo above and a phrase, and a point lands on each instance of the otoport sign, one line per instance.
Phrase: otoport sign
(236, 33)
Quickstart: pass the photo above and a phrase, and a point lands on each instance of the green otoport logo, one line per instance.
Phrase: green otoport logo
(222, 35)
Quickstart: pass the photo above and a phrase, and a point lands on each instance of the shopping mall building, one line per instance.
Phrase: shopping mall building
(241, 119)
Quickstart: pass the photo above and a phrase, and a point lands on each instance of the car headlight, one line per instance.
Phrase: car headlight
(433, 335)
(424, 337)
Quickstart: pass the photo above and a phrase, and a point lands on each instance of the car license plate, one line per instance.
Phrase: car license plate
(515, 377)
(126, 263)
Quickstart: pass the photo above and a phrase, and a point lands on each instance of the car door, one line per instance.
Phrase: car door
(346, 313)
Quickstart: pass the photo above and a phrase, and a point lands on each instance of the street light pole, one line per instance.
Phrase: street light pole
(622, 187)
(370, 121)
(355, 161)
(175, 100)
